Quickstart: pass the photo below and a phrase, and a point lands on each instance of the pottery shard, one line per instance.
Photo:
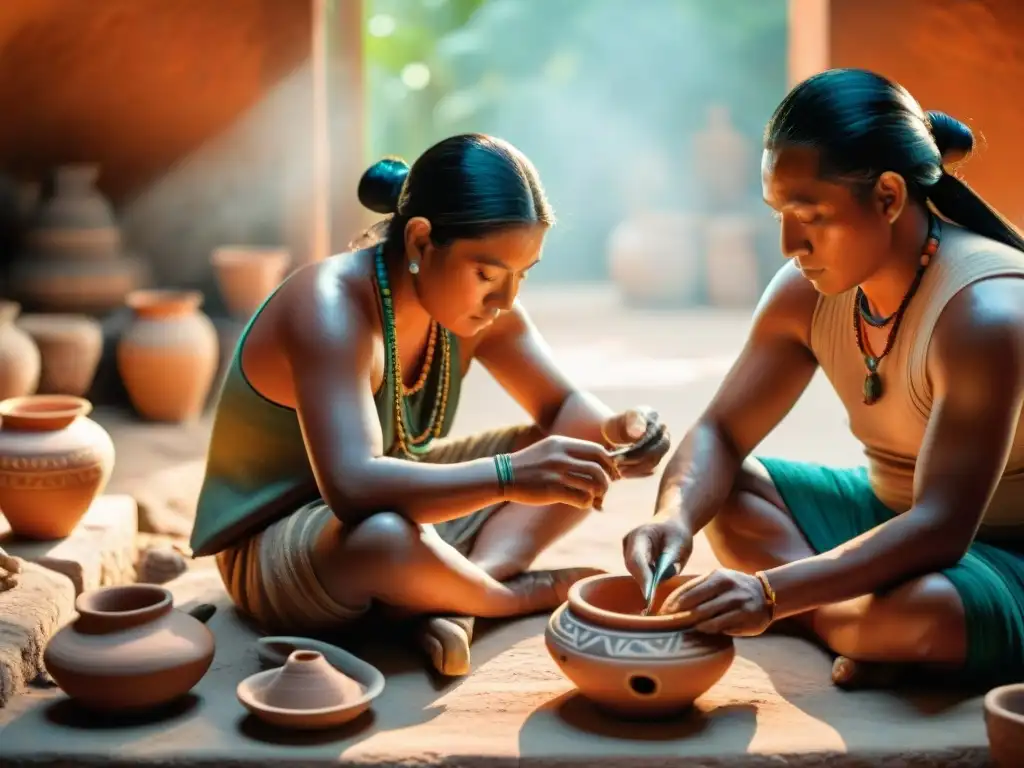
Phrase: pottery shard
(30, 613)
(100, 552)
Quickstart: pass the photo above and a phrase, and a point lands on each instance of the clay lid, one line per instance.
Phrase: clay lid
(306, 684)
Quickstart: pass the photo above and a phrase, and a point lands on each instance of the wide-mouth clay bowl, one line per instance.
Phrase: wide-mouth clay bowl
(319, 686)
(1004, 723)
(630, 665)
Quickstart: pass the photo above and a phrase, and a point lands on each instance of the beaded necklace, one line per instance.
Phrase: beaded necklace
(412, 446)
(872, 380)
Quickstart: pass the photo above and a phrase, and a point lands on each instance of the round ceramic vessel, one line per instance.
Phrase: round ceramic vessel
(129, 650)
(631, 665)
(1004, 723)
(53, 463)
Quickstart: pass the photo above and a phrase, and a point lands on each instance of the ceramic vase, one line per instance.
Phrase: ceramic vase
(629, 665)
(54, 461)
(20, 361)
(129, 650)
(733, 272)
(247, 274)
(167, 357)
(70, 346)
(1004, 724)
(722, 161)
(655, 259)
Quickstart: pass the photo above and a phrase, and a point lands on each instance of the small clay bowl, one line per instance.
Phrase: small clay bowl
(631, 665)
(319, 686)
(1004, 723)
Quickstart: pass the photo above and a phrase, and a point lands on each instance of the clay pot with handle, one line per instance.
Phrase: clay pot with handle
(129, 650)
(168, 356)
(54, 461)
(630, 665)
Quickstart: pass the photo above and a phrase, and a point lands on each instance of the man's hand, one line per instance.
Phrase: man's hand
(654, 547)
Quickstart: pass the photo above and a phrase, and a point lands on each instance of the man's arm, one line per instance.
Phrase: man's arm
(976, 363)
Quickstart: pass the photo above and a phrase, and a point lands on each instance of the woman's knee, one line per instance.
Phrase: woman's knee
(920, 621)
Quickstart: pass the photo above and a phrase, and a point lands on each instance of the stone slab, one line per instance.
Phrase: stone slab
(100, 552)
(30, 613)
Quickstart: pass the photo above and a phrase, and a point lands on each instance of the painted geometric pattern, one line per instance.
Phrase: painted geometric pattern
(584, 638)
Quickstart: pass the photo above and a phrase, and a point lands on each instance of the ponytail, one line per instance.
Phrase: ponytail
(956, 201)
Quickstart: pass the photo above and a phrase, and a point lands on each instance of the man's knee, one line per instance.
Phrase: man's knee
(383, 535)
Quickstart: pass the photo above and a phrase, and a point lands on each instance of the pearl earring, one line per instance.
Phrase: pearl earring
(414, 267)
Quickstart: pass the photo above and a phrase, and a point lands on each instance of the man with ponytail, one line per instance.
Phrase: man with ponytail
(331, 485)
(905, 288)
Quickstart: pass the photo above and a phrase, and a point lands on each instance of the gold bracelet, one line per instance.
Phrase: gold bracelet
(769, 594)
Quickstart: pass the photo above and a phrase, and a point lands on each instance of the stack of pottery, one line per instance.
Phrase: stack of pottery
(20, 362)
(247, 274)
(54, 461)
(167, 357)
(70, 347)
(72, 259)
(631, 665)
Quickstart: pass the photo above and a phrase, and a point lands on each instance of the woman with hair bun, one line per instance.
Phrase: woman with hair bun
(904, 287)
(330, 483)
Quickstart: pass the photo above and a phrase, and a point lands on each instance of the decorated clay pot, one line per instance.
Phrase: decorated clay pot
(20, 362)
(54, 461)
(247, 274)
(167, 357)
(631, 665)
(1004, 723)
(129, 650)
(70, 346)
(655, 258)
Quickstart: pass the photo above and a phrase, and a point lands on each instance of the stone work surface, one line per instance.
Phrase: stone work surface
(30, 613)
(100, 551)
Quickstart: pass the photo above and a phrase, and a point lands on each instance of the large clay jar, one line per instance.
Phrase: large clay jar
(1004, 723)
(129, 650)
(71, 346)
(734, 278)
(630, 665)
(654, 258)
(247, 274)
(167, 357)
(20, 362)
(54, 461)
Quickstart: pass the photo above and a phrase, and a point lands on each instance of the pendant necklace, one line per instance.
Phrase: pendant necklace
(862, 314)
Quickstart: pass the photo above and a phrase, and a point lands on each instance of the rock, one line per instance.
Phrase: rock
(10, 567)
(167, 498)
(30, 613)
(159, 565)
(100, 551)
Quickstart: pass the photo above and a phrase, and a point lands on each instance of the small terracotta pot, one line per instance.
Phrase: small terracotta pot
(20, 361)
(1004, 723)
(54, 461)
(129, 650)
(167, 357)
(631, 665)
(247, 274)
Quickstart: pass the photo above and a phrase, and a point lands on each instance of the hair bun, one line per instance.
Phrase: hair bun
(954, 139)
(381, 184)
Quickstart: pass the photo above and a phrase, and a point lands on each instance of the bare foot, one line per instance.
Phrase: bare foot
(859, 675)
(446, 640)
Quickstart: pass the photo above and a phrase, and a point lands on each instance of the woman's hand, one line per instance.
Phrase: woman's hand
(628, 427)
(562, 470)
(723, 602)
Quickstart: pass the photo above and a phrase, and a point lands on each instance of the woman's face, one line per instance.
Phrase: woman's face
(836, 240)
(465, 285)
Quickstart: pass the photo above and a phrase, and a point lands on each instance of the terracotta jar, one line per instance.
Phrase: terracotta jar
(247, 274)
(20, 362)
(167, 357)
(733, 268)
(70, 346)
(129, 650)
(54, 461)
(654, 258)
(630, 665)
(1004, 723)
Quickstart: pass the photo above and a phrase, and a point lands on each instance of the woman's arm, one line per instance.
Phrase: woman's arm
(520, 360)
(328, 337)
(976, 363)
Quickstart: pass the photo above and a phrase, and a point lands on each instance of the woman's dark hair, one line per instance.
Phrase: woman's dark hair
(466, 186)
(863, 124)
